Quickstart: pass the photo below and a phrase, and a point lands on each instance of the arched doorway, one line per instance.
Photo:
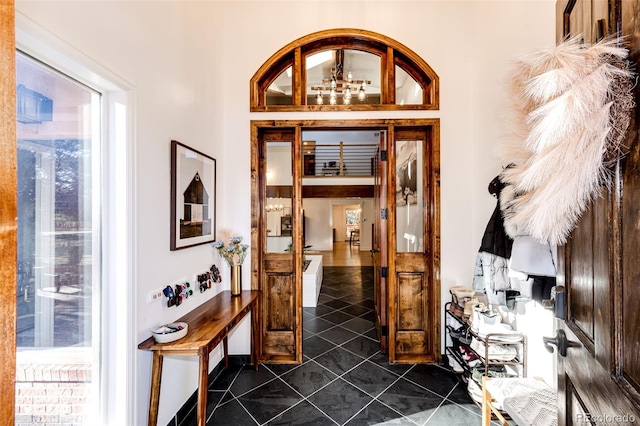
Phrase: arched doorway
(404, 175)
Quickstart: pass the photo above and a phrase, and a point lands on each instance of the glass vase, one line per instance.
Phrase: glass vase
(236, 280)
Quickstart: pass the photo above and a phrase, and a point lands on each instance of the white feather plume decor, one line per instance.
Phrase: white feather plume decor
(570, 108)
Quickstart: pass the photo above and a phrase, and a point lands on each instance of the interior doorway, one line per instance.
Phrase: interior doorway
(344, 255)
(346, 220)
(409, 288)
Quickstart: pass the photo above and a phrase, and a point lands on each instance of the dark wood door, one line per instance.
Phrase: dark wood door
(599, 378)
(594, 376)
(413, 301)
(380, 241)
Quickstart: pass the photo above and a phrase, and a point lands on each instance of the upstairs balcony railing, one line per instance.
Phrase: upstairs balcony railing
(342, 159)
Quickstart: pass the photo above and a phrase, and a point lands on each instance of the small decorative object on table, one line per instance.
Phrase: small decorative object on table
(236, 280)
(234, 254)
(170, 332)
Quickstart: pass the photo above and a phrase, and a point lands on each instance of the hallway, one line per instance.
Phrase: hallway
(344, 378)
(345, 254)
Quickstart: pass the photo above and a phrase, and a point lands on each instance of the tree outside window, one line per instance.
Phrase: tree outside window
(352, 222)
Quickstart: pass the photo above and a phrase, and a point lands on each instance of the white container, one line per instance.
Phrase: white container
(170, 332)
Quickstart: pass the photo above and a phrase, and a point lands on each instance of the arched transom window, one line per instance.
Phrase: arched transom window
(344, 69)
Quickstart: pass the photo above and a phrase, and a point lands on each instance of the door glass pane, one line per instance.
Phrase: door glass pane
(279, 91)
(409, 197)
(278, 200)
(343, 77)
(408, 91)
(58, 245)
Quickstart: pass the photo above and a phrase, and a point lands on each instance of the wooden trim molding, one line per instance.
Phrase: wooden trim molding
(8, 209)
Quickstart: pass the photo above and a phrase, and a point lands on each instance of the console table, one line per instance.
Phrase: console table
(209, 324)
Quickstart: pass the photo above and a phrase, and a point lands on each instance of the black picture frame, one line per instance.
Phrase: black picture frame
(193, 197)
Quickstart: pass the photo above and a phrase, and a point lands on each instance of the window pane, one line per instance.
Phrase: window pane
(343, 77)
(352, 223)
(409, 197)
(279, 91)
(278, 200)
(408, 91)
(353, 217)
(58, 239)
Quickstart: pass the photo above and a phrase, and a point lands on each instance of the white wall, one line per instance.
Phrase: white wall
(164, 52)
(191, 62)
(322, 215)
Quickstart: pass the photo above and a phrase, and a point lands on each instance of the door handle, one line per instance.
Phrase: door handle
(561, 342)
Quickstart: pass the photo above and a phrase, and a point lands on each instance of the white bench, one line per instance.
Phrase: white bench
(312, 281)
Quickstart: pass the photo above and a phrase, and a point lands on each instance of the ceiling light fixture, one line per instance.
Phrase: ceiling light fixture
(338, 85)
(274, 207)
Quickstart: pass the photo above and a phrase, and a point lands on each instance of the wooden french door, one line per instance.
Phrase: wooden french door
(8, 210)
(406, 240)
(277, 259)
(599, 373)
(379, 243)
(413, 297)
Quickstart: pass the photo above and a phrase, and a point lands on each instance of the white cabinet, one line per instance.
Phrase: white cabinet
(312, 281)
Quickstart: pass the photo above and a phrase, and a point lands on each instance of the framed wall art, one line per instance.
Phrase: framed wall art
(193, 197)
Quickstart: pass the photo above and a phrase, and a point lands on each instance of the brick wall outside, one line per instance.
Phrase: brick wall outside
(52, 394)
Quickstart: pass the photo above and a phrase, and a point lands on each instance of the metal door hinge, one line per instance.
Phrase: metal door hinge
(383, 213)
(383, 155)
(384, 271)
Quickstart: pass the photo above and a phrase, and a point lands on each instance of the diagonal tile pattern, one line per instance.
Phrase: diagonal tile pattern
(344, 378)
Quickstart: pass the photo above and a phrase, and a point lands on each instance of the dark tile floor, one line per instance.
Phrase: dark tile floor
(344, 378)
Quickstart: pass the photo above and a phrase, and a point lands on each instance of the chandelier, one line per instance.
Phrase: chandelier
(347, 88)
(275, 208)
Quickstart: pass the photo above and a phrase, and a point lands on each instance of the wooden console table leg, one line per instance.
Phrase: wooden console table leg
(203, 385)
(225, 347)
(156, 376)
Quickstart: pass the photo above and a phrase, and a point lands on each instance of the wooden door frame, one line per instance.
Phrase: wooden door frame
(8, 209)
(432, 214)
(379, 241)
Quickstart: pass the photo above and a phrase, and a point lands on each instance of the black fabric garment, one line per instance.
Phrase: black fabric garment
(541, 289)
(495, 239)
